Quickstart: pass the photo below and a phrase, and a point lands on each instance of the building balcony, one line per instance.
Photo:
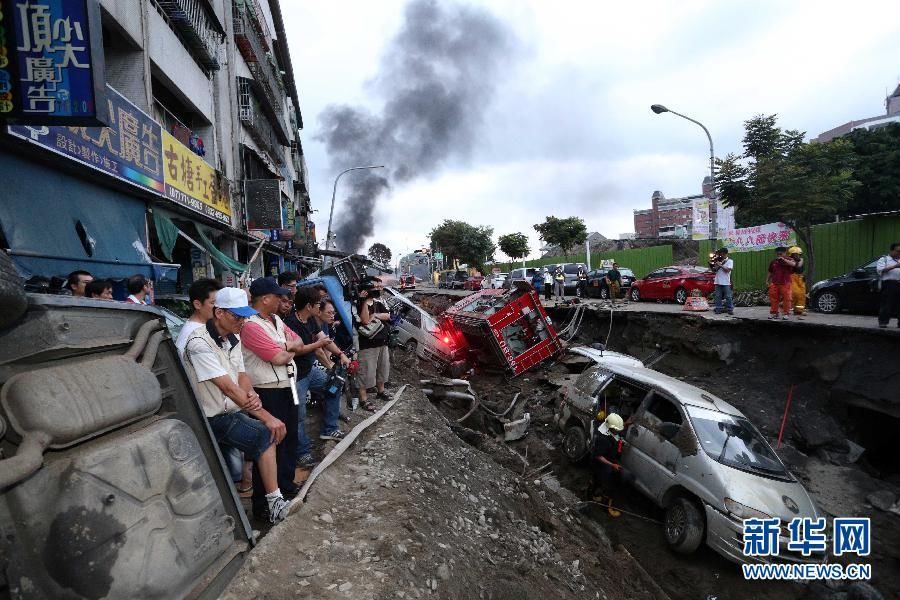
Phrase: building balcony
(260, 127)
(252, 39)
(197, 27)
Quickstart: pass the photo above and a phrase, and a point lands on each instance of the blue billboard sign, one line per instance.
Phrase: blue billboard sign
(129, 149)
(51, 62)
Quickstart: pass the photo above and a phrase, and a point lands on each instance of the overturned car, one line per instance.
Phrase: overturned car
(503, 328)
(694, 455)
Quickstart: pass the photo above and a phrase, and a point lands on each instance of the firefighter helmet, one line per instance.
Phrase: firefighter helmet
(615, 423)
(794, 250)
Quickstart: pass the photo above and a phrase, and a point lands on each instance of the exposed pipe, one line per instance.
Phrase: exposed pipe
(28, 459)
(140, 340)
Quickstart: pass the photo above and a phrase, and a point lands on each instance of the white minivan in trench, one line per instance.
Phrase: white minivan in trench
(693, 454)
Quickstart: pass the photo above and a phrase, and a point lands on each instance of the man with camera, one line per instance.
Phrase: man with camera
(374, 333)
(722, 266)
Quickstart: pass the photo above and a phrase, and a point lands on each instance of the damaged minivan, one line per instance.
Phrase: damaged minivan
(694, 455)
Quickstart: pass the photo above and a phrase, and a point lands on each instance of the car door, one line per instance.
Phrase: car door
(669, 282)
(651, 286)
(652, 458)
(857, 293)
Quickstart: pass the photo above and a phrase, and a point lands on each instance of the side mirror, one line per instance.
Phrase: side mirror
(669, 430)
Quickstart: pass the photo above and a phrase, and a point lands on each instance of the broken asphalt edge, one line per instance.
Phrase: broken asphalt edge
(339, 449)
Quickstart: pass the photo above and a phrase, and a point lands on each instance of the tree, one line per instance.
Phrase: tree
(466, 243)
(514, 245)
(564, 233)
(779, 178)
(877, 169)
(380, 253)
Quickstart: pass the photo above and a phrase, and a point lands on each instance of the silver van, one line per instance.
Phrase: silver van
(693, 454)
(419, 332)
(520, 274)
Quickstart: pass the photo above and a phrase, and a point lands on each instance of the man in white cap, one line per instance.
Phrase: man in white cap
(606, 452)
(214, 362)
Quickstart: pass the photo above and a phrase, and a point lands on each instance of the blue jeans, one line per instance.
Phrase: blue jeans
(242, 432)
(315, 382)
(723, 290)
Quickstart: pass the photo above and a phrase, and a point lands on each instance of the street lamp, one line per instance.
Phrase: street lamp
(659, 109)
(334, 191)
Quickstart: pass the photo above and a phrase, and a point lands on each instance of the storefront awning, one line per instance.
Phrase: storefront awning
(55, 224)
(167, 232)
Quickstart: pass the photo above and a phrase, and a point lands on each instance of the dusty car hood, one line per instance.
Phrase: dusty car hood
(606, 356)
(771, 496)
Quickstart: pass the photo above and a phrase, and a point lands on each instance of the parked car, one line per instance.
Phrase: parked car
(596, 283)
(418, 332)
(693, 454)
(672, 283)
(497, 280)
(473, 283)
(520, 274)
(570, 270)
(453, 280)
(853, 291)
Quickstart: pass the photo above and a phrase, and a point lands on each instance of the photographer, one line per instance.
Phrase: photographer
(722, 266)
(374, 334)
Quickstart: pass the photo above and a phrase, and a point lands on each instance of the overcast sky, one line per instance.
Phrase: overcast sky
(568, 130)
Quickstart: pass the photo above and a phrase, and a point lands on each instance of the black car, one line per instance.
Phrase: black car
(853, 291)
(596, 283)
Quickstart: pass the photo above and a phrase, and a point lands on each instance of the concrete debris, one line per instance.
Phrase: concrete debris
(882, 499)
(516, 430)
(326, 518)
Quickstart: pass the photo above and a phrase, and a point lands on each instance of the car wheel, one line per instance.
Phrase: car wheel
(575, 443)
(684, 526)
(828, 302)
(681, 295)
(604, 293)
(635, 294)
(12, 292)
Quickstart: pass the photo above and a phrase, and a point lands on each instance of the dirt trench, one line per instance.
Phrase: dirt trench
(844, 400)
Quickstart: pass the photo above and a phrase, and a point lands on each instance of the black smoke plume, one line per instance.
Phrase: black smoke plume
(436, 80)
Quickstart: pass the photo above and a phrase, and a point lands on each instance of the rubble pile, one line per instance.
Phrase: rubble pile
(414, 512)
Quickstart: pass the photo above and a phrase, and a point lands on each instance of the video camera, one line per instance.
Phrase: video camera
(716, 260)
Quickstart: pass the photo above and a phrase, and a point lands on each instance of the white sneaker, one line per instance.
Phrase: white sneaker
(278, 509)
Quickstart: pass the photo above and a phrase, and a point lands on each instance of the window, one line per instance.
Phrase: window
(591, 380)
(664, 409)
(411, 315)
(656, 274)
(621, 397)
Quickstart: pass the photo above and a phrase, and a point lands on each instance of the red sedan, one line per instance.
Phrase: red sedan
(473, 283)
(673, 283)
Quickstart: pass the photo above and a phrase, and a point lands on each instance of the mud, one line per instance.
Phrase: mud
(844, 393)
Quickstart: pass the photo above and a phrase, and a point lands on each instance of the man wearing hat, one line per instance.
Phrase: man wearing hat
(606, 452)
(215, 364)
(269, 349)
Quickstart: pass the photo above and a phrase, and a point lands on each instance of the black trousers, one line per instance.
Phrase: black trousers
(548, 290)
(890, 302)
(603, 477)
(280, 404)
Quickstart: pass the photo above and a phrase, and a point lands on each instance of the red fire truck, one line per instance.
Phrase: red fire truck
(505, 328)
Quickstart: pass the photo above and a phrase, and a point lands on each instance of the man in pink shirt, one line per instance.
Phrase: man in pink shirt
(269, 349)
(779, 283)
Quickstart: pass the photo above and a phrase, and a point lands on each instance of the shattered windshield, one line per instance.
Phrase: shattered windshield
(735, 442)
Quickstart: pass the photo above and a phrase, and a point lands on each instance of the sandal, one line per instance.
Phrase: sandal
(368, 405)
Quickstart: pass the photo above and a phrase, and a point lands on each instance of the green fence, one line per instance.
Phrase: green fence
(840, 247)
(640, 260)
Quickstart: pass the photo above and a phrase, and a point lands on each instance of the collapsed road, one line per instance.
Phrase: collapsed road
(837, 434)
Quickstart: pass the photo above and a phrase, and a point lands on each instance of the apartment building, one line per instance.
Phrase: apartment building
(200, 171)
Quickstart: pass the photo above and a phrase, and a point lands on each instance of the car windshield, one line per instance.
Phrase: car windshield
(735, 442)
(627, 272)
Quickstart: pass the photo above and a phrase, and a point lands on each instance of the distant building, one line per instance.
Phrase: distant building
(892, 115)
(668, 217)
(627, 236)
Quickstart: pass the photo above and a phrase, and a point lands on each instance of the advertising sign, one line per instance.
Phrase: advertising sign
(760, 237)
(51, 63)
(129, 149)
(191, 182)
(700, 219)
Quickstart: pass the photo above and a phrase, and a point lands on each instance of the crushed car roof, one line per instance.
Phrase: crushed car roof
(632, 368)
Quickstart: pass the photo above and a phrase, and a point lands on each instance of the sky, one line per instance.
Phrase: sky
(563, 127)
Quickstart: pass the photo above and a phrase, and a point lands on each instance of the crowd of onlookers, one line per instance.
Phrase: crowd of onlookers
(259, 357)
